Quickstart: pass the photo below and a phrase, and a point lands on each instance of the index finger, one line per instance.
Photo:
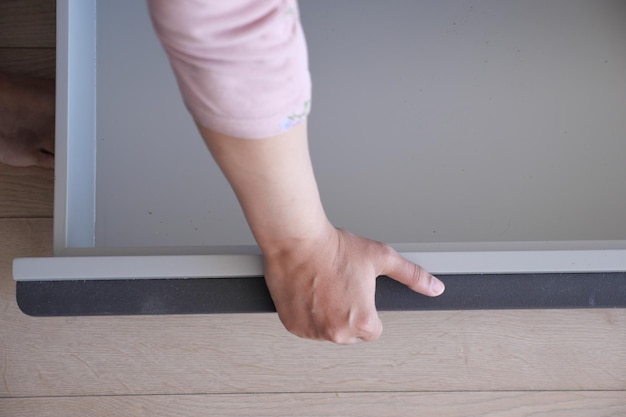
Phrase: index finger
(412, 275)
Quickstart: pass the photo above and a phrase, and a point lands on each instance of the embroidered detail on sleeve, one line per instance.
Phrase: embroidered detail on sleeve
(295, 118)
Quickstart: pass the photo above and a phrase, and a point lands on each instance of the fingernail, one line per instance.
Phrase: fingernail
(437, 286)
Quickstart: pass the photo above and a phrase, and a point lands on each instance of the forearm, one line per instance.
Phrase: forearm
(242, 68)
(274, 182)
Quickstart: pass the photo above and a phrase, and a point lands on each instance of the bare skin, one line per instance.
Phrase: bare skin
(26, 121)
(322, 279)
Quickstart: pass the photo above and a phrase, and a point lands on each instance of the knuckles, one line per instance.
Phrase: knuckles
(339, 307)
(340, 337)
(366, 327)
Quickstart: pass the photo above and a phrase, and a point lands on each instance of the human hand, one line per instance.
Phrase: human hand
(322, 279)
(324, 289)
(26, 121)
(27, 148)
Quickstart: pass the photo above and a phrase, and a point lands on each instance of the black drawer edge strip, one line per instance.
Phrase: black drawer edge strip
(250, 295)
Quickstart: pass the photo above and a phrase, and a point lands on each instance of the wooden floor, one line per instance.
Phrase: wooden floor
(492, 363)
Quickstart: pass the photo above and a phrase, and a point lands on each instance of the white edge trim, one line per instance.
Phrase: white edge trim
(61, 130)
(219, 266)
(75, 125)
(136, 267)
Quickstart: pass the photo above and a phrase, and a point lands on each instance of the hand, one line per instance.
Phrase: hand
(26, 121)
(324, 289)
(322, 279)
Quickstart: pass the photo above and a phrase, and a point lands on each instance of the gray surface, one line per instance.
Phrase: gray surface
(432, 121)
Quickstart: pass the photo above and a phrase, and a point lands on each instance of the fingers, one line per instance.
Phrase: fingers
(410, 274)
(367, 328)
(359, 320)
(45, 159)
(333, 298)
(371, 329)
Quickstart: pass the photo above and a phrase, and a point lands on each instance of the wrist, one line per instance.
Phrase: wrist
(288, 234)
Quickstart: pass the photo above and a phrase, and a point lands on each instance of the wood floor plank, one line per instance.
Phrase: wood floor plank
(27, 23)
(449, 404)
(35, 62)
(419, 351)
(26, 192)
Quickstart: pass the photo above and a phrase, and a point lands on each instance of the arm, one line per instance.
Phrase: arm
(322, 279)
(242, 69)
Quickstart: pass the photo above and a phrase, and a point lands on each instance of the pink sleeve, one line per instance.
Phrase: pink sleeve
(241, 65)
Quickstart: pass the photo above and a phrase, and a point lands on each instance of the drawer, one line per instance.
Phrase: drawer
(484, 140)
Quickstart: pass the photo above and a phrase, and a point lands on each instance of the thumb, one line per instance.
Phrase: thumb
(413, 276)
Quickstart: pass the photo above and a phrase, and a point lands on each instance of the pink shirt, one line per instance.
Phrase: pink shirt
(241, 65)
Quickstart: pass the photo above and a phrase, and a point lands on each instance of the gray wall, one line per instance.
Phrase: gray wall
(432, 121)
